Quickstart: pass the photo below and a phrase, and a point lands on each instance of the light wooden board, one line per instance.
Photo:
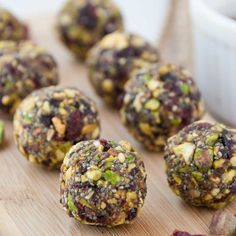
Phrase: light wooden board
(29, 195)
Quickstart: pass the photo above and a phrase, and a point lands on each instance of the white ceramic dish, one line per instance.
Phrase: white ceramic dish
(215, 55)
(146, 18)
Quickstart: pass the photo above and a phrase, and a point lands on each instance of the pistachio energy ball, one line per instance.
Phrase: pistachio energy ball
(82, 23)
(11, 28)
(50, 121)
(158, 102)
(112, 61)
(201, 164)
(103, 183)
(24, 67)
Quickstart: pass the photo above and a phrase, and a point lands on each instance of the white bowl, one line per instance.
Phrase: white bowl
(215, 55)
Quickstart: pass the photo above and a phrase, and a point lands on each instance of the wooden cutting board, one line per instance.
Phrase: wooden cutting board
(29, 195)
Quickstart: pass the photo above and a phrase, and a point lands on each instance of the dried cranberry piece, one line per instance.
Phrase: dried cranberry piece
(198, 126)
(120, 99)
(171, 76)
(46, 120)
(132, 214)
(74, 126)
(181, 233)
(105, 144)
(129, 52)
(54, 102)
(87, 17)
(233, 188)
(228, 144)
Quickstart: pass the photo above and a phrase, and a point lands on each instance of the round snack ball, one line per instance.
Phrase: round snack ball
(11, 28)
(158, 102)
(82, 23)
(24, 67)
(112, 61)
(201, 164)
(103, 183)
(50, 121)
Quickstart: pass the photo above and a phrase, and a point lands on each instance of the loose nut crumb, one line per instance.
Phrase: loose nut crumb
(223, 224)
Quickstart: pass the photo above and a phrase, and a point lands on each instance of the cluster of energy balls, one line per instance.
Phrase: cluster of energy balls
(104, 182)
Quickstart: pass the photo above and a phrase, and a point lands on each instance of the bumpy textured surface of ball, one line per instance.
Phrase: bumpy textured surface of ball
(50, 121)
(201, 164)
(24, 67)
(158, 102)
(112, 61)
(82, 23)
(11, 28)
(103, 183)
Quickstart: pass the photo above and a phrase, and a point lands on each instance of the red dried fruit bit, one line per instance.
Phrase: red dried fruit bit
(26, 29)
(181, 233)
(74, 126)
(106, 145)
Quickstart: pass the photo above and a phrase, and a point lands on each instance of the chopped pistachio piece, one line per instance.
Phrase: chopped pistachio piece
(152, 104)
(71, 205)
(94, 174)
(145, 128)
(184, 88)
(112, 177)
(186, 150)
(203, 157)
(211, 140)
(233, 161)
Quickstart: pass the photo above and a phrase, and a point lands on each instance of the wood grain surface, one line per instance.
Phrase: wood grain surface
(29, 195)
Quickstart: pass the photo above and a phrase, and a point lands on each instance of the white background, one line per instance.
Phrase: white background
(145, 17)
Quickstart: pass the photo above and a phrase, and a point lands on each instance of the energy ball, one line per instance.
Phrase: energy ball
(103, 183)
(11, 28)
(112, 61)
(24, 67)
(50, 121)
(201, 164)
(158, 102)
(82, 23)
